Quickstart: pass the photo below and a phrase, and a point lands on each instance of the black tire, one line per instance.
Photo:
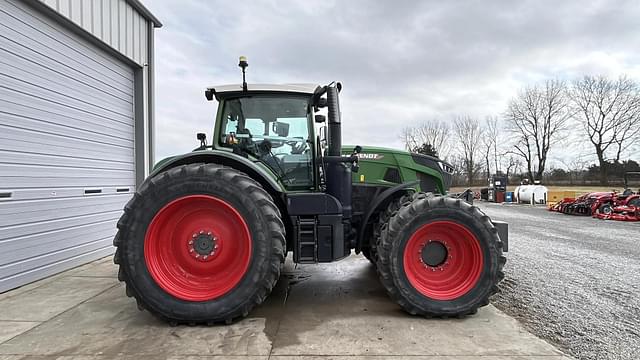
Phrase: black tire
(371, 252)
(606, 209)
(423, 209)
(247, 197)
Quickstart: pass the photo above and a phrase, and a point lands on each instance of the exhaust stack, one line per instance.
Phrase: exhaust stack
(334, 132)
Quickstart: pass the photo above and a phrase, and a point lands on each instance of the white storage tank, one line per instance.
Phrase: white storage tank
(525, 193)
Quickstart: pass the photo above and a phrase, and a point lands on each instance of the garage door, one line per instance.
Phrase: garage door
(66, 146)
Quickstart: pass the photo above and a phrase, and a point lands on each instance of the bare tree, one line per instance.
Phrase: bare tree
(468, 132)
(434, 132)
(490, 144)
(486, 146)
(610, 113)
(576, 166)
(512, 163)
(537, 115)
(493, 131)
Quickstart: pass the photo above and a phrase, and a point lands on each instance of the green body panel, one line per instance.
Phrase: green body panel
(375, 161)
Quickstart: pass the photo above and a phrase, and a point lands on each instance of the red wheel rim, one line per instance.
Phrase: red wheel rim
(197, 248)
(452, 277)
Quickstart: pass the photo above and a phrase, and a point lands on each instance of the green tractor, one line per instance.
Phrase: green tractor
(204, 238)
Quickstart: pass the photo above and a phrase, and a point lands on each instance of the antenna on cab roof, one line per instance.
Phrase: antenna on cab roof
(243, 64)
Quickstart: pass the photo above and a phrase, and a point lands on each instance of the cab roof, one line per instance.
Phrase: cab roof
(221, 91)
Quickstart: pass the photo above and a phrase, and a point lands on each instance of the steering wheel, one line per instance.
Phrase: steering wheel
(277, 143)
(295, 148)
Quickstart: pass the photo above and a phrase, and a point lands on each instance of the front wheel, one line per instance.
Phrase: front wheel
(440, 257)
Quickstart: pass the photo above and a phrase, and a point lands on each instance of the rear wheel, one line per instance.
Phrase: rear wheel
(440, 256)
(200, 243)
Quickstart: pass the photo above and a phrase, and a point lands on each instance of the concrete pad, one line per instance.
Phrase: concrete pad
(341, 309)
(329, 311)
(133, 357)
(424, 357)
(52, 298)
(232, 357)
(111, 325)
(10, 329)
(101, 268)
(28, 287)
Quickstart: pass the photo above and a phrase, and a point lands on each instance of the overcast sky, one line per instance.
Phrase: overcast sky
(400, 62)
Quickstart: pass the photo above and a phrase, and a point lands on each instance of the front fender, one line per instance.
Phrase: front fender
(381, 200)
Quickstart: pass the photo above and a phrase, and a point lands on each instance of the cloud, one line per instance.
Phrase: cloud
(400, 62)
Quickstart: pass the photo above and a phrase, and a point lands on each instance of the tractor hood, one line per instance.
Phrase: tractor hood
(374, 153)
(376, 161)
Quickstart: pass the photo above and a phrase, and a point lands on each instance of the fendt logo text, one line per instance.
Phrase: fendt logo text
(364, 156)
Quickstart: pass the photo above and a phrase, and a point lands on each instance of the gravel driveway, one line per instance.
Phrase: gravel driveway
(574, 281)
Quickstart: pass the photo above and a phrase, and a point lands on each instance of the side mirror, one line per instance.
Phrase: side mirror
(320, 118)
(357, 149)
(281, 129)
(203, 139)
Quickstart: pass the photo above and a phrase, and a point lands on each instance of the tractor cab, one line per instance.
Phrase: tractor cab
(272, 125)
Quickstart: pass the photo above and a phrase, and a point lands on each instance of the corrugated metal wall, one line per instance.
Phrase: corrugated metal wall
(115, 22)
(66, 146)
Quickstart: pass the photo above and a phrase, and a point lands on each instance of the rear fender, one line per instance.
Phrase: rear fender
(240, 163)
(262, 176)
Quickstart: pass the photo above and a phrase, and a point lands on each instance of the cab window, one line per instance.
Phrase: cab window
(274, 130)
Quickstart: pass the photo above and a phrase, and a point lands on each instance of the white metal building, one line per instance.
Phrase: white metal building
(76, 120)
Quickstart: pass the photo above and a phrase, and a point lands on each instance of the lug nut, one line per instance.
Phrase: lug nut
(211, 253)
(205, 257)
(208, 232)
(194, 235)
(190, 242)
(190, 250)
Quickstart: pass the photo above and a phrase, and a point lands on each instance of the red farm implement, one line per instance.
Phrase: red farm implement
(621, 213)
(612, 205)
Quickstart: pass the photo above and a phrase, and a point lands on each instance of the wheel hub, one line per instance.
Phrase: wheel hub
(203, 245)
(443, 260)
(434, 253)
